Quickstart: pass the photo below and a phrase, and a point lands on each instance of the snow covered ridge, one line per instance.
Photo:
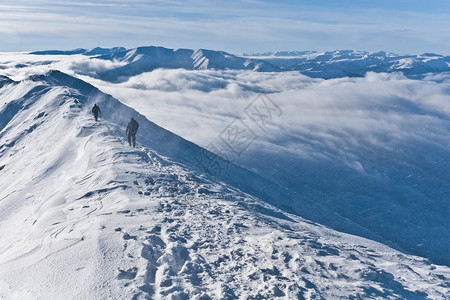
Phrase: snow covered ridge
(84, 216)
(330, 64)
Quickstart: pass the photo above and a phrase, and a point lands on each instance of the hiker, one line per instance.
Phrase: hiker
(132, 128)
(95, 111)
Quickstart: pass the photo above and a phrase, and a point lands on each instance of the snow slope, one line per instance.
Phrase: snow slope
(84, 216)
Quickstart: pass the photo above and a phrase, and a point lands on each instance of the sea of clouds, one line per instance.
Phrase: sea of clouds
(370, 148)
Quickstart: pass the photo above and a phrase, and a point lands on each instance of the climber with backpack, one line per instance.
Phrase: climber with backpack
(96, 111)
(131, 131)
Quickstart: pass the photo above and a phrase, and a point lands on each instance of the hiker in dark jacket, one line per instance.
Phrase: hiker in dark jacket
(95, 111)
(132, 128)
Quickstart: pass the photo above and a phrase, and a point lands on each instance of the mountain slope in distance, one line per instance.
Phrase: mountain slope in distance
(146, 59)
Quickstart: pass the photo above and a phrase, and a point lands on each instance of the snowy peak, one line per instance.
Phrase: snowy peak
(58, 78)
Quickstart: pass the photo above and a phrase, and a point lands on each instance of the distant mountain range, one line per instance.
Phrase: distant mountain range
(327, 65)
(343, 63)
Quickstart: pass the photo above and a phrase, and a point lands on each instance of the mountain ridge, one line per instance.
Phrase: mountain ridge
(83, 215)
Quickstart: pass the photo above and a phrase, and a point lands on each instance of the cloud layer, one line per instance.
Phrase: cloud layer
(371, 149)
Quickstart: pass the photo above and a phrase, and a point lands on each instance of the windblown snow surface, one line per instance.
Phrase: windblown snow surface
(85, 216)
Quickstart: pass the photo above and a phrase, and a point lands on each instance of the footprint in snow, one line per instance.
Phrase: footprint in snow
(129, 274)
(126, 236)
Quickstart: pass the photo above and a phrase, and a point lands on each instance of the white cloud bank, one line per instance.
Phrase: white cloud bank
(372, 149)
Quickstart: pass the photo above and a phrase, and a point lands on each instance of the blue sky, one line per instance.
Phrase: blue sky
(400, 26)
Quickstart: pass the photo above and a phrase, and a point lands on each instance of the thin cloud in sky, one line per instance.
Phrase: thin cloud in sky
(234, 26)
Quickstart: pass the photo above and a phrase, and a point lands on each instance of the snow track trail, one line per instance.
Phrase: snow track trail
(85, 216)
